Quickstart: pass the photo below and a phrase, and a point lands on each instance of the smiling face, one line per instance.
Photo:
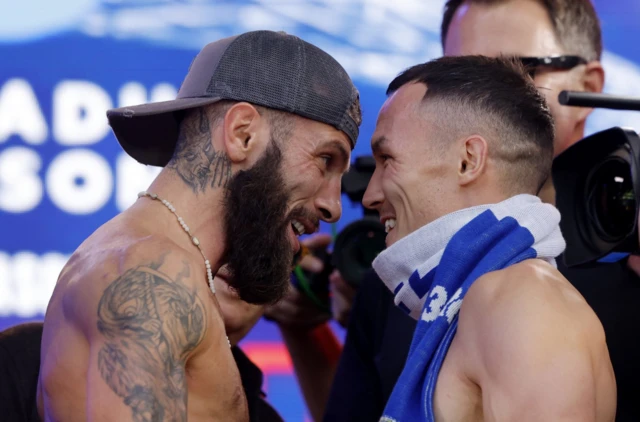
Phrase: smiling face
(314, 160)
(415, 177)
(294, 185)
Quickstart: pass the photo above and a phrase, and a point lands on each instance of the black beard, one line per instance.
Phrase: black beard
(258, 252)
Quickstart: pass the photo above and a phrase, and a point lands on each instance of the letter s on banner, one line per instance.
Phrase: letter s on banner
(20, 186)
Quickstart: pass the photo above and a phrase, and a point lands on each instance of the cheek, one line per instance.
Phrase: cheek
(392, 185)
(303, 183)
(399, 189)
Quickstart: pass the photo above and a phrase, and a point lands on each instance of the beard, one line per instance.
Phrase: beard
(258, 252)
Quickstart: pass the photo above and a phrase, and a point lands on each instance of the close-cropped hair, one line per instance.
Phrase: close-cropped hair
(494, 98)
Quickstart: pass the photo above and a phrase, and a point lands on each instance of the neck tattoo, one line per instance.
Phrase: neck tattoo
(194, 239)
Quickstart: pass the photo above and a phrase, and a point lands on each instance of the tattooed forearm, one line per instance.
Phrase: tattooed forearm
(151, 324)
(195, 160)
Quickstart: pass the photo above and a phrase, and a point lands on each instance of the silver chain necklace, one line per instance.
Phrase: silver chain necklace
(194, 239)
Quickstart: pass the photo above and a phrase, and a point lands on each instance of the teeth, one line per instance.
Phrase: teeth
(389, 224)
(298, 227)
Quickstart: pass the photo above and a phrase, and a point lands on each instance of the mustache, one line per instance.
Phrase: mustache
(301, 213)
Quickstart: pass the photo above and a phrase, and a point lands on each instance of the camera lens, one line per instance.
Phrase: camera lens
(611, 199)
(356, 247)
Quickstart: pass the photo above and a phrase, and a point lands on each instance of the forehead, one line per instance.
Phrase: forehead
(516, 27)
(400, 117)
(314, 133)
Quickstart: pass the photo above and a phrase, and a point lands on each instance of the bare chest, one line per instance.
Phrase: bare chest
(215, 389)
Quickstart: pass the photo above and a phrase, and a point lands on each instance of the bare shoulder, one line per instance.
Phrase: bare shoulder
(525, 327)
(135, 333)
(115, 284)
(534, 302)
(535, 292)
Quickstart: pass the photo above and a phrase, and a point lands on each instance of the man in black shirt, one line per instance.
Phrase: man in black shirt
(377, 344)
(379, 334)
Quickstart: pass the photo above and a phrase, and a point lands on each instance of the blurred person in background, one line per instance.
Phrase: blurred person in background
(133, 330)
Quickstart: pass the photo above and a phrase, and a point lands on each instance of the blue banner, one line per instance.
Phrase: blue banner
(64, 63)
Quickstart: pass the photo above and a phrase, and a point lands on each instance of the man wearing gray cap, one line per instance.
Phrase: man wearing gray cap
(253, 151)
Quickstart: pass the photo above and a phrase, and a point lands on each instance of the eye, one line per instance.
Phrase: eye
(327, 159)
(384, 158)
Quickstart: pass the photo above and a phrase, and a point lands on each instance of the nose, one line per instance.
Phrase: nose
(328, 201)
(373, 196)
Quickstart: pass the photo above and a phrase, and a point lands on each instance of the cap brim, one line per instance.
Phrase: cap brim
(149, 132)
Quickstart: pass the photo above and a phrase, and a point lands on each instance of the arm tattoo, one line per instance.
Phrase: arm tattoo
(195, 160)
(151, 324)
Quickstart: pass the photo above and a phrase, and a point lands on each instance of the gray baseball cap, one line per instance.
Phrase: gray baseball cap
(265, 68)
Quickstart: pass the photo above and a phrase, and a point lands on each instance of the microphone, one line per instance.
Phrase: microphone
(593, 100)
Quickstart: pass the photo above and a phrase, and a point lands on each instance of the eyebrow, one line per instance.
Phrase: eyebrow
(378, 144)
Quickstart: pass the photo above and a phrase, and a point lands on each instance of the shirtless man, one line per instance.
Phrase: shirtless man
(463, 132)
(253, 151)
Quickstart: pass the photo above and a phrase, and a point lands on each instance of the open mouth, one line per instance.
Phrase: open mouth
(389, 224)
(303, 225)
(298, 227)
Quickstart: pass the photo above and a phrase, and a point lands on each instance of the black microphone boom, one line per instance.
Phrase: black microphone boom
(592, 100)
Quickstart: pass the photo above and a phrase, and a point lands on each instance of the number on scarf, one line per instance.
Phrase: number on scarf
(438, 298)
(453, 306)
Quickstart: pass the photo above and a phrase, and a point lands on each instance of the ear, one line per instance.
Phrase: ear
(592, 80)
(244, 128)
(473, 159)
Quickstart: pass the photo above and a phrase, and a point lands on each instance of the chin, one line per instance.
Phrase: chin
(391, 238)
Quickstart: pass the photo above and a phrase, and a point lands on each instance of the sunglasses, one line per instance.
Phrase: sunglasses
(532, 64)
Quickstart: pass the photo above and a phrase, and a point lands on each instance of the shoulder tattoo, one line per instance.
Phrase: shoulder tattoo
(151, 324)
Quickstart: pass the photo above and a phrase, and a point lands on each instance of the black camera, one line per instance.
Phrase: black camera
(597, 182)
(355, 247)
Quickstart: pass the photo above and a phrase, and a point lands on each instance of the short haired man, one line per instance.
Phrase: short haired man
(462, 146)
(379, 333)
(133, 330)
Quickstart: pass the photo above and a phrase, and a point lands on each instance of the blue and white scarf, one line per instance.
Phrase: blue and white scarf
(430, 270)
